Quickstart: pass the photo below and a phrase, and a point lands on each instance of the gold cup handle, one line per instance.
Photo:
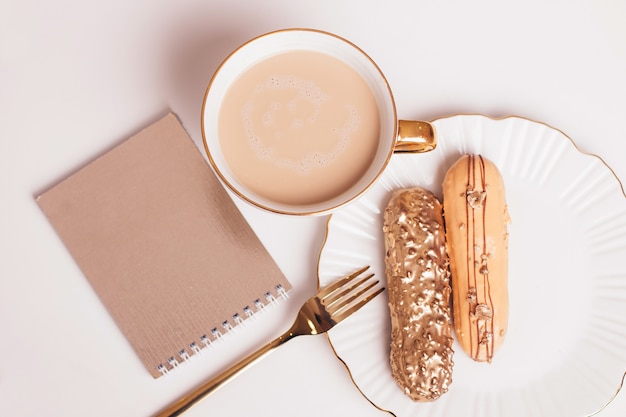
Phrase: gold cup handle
(415, 137)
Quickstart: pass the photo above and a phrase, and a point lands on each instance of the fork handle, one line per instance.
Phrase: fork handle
(207, 388)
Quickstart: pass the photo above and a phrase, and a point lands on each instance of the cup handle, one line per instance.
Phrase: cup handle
(415, 137)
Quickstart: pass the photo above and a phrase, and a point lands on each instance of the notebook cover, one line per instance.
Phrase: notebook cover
(163, 245)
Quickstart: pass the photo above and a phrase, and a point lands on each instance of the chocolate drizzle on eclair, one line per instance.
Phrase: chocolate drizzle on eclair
(477, 242)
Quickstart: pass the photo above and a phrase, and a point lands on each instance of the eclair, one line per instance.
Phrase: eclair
(476, 220)
(418, 285)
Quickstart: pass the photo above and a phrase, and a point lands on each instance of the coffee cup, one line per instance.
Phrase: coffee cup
(302, 122)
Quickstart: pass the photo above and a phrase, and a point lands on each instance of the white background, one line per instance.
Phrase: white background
(77, 77)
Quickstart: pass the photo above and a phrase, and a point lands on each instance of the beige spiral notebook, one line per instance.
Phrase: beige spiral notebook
(163, 245)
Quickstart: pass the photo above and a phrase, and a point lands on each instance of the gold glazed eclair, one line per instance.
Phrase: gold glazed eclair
(418, 284)
(476, 219)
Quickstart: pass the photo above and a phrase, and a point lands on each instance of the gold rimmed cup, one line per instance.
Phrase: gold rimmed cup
(291, 91)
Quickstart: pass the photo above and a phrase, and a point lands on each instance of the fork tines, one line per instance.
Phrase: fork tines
(349, 294)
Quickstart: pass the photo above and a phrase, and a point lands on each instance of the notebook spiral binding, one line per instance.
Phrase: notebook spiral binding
(227, 326)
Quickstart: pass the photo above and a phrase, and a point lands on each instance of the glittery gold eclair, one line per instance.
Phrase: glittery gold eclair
(476, 218)
(418, 284)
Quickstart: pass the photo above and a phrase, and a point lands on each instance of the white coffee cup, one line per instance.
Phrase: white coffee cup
(393, 135)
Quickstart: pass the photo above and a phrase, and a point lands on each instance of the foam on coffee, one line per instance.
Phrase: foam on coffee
(304, 90)
(299, 127)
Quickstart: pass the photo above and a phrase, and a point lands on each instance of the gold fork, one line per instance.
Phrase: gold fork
(317, 315)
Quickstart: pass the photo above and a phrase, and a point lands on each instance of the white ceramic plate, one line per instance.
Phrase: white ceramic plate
(565, 352)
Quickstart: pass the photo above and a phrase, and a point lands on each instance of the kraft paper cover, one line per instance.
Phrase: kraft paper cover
(161, 243)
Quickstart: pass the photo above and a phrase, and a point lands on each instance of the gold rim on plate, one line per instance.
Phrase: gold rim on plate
(621, 186)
